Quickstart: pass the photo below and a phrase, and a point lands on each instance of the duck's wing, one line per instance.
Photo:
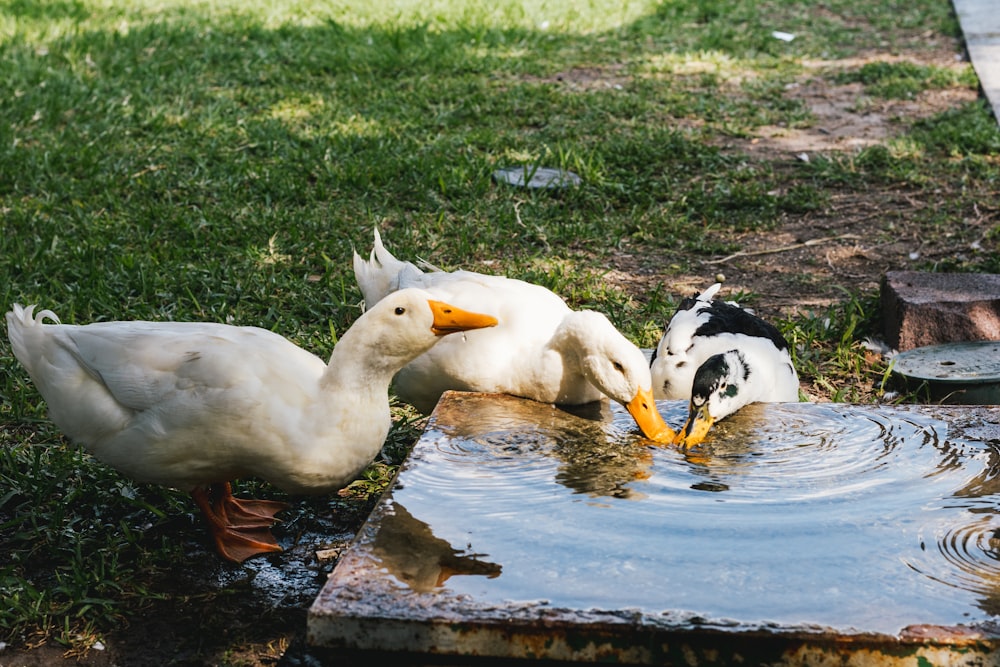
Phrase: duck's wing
(697, 330)
(98, 378)
(702, 316)
(728, 317)
(141, 361)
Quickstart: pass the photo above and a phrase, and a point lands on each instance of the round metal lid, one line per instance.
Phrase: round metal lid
(976, 361)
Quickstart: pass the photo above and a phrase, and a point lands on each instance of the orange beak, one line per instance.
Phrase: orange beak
(696, 427)
(644, 412)
(449, 319)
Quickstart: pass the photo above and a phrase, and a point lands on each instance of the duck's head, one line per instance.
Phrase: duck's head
(720, 388)
(619, 369)
(408, 322)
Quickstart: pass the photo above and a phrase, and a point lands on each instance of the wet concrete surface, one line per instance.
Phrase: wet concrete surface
(799, 532)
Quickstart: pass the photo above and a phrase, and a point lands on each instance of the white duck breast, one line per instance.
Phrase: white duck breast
(541, 349)
(193, 405)
(702, 327)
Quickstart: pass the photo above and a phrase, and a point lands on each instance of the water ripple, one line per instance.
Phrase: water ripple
(783, 453)
(963, 555)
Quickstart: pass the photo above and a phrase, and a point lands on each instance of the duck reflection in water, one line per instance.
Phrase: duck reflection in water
(597, 452)
(731, 454)
(410, 551)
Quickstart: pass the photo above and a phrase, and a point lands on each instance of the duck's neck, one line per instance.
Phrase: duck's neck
(350, 418)
(563, 355)
(358, 367)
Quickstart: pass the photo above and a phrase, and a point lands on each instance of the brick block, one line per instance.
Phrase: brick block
(920, 308)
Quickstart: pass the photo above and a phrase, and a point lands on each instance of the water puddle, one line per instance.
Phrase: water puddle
(849, 519)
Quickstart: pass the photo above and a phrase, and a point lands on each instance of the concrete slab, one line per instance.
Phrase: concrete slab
(980, 22)
(798, 534)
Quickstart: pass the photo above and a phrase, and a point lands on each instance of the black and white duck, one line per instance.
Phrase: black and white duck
(720, 356)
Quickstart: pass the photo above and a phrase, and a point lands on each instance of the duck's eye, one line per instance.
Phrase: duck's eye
(400, 310)
(618, 366)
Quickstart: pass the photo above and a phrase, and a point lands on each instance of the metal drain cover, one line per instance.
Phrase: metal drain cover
(965, 372)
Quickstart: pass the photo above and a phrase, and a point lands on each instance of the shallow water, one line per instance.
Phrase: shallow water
(851, 518)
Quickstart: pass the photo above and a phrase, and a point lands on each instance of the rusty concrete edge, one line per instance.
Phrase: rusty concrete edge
(677, 648)
(548, 638)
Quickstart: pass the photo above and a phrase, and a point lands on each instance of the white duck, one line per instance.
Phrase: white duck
(192, 405)
(541, 349)
(721, 357)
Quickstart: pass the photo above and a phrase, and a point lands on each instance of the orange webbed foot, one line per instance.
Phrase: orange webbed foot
(240, 528)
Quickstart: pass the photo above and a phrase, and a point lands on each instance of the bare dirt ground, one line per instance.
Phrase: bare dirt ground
(255, 615)
(803, 263)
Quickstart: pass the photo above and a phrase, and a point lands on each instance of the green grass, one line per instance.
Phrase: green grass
(220, 160)
(905, 79)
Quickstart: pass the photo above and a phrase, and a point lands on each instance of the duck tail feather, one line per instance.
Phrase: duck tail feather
(23, 326)
(382, 273)
(710, 293)
(25, 316)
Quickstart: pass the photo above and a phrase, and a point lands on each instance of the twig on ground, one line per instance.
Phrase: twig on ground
(785, 248)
